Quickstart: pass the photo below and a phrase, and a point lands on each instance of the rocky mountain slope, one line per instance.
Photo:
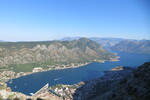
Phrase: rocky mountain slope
(142, 47)
(97, 87)
(77, 51)
(118, 84)
(134, 87)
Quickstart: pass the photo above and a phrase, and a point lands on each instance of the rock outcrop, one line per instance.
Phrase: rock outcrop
(134, 87)
(96, 87)
(124, 84)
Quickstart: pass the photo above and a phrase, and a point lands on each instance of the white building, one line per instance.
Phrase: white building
(37, 69)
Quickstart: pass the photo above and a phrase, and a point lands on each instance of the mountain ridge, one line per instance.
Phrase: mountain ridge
(106, 42)
(52, 52)
(142, 47)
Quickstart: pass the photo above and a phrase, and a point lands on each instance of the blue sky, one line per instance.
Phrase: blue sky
(35, 20)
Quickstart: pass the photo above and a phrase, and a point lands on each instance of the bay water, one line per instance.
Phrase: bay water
(32, 83)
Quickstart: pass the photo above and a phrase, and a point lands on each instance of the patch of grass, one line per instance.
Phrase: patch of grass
(29, 66)
(24, 67)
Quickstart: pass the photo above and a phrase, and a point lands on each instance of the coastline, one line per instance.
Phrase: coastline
(8, 90)
(72, 65)
(57, 67)
(68, 66)
(6, 80)
(21, 74)
(52, 67)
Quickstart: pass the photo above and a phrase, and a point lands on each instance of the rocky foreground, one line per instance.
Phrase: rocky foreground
(96, 87)
(134, 87)
(128, 84)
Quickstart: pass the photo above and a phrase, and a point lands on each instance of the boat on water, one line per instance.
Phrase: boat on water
(58, 78)
(31, 94)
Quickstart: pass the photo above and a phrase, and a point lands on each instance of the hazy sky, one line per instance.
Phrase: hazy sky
(31, 20)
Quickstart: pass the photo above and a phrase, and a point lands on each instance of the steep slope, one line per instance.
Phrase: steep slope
(134, 87)
(119, 84)
(94, 89)
(77, 51)
(142, 47)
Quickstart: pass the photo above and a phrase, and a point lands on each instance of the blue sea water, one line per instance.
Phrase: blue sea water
(32, 83)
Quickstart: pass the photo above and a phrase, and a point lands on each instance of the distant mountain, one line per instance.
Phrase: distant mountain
(1, 41)
(141, 46)
(70, 38)
(105, 42)
(52, 52)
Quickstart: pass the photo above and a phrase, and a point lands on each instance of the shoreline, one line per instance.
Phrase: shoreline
(49, 69)
(22, 74)
(61, 68)
(68, 66)
(56, 67)
(8, 79)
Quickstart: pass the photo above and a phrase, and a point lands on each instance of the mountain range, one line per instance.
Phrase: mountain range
(120, 44)
(105, 42)
(142, 47)
(52, 52)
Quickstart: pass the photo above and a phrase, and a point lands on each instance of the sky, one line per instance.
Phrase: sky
(38, 20)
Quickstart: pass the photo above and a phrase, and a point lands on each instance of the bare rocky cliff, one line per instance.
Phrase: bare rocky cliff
(122, 83)
(134, 87)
